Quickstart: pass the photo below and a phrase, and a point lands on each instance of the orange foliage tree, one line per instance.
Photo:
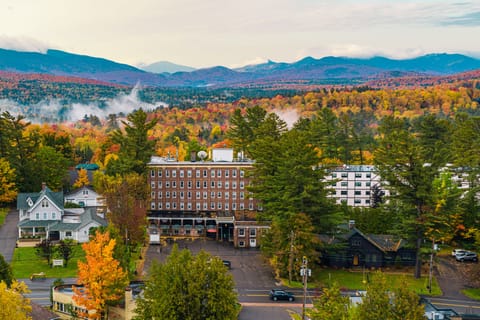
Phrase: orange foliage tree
(103, 279)
(82, 179)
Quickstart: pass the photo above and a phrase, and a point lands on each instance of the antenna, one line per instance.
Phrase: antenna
(202, 154)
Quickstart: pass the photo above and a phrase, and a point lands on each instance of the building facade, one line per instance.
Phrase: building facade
(199, 198)
(355, 185)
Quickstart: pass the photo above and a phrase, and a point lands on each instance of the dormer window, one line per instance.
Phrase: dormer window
(45, 203)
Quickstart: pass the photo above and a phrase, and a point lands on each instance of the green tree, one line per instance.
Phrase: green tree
(406, 304)
(45, 250)
(53, 167)
(65, 250)
(243, 128)
(6, 273)
(376, 302)
(331, 305)
(409, 163)
(188, 287)
(136, 148)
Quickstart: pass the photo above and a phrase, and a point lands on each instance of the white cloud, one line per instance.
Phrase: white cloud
(23, 43)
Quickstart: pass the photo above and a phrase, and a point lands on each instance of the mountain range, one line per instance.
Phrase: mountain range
(327, 70)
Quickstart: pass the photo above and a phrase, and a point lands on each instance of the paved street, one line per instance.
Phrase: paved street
(8, 235)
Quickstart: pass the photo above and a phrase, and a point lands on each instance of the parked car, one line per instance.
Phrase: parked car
(276, 294)
(227, 264)
(467, 256)
(458, 251)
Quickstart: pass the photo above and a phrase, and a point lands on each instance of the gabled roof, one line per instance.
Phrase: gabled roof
(73, 192)
(385, 243)
(55, 197)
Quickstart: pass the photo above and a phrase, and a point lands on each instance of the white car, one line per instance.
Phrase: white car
(456, 252)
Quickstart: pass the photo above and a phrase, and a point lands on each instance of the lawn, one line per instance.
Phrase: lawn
(25, 262)
(348, 280)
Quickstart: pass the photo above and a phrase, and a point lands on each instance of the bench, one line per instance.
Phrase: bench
(39, 275)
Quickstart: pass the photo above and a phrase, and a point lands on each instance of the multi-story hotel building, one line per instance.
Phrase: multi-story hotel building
(199, 198)
(352, 184)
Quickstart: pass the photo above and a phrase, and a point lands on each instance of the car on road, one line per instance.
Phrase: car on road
(277, 294)
(467, 256)
(227, 264)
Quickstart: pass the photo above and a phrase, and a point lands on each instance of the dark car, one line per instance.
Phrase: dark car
(227, 264)
(276, 294)
(467, 256)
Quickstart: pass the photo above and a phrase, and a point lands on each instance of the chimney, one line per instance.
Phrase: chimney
(44, 185)
(351, 224)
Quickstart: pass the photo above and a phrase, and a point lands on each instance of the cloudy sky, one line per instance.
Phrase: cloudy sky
(235, 33)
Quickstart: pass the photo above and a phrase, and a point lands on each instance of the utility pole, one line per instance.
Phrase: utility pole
(290, 258)
(431, 267)
(305, 273)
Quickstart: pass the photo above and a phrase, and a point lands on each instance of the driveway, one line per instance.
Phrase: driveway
(8, 235)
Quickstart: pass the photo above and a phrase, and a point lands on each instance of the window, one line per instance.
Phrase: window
(152, 184)
(174, 194)
(358, 175)
(189, 195)
(219, 173)
(212, 173)
(174, 173)
(167, 173)
(358, 193)
(368, 184)
(344, 175)
(85, 192)
(227, 196)
(37, 216)
(219, 195)
(197, 173)
(219, 205)
(159, 205)
(205, 206)
(45, 216)
(367, 193)
(241, 243)
(242, 206)
(205, 173)
(189, 206)
(219, 184)
(234, 173)
(226, 206)
(358, 184)
(197, 184)
(189, 173)
(242, 196)
(226, 173)
(343, 192)
(182, 173)
(212, 184)
(212, 205)
(205, 195)
(242, 173)
(253, 233)
(234, 206)
(159, 172)
(197, 195)
(369, 175)
(167, 184)
(356, 243)
(205, 184)
(227, 185)
(54, 215)
(197, 205)
(152, 205)
(174, 184)
(182, 184)
(182, 195)
(182, 206)
(242, 184)
(234, 185)
(234, 195)
(241, 232)
(159, 194)
(189, 184)
(334, 175)
(152, 195)
(167, 205)
(160, 185)
(167, 194)
(357, 201)
(344, 184)
(212, 194)
(68, 233)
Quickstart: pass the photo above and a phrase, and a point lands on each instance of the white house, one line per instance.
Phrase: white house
(84, 197)
(42, 215)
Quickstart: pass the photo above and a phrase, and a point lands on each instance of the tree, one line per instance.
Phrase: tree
(408, 160)
(136, 148)
(45, 250)
(82, 179)
(331, 305)
(8, 192)
(13, 302)
(243, 128)
(103, 279)
(188, 287)
(65, 249)
(406, 304)
(6, 273)
(53, 167)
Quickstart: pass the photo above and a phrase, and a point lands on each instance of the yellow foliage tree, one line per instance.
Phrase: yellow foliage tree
(13, 302)
(82, 179)
(8, 191)
(102, 277)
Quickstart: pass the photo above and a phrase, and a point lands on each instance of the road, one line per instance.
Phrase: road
(8, 235)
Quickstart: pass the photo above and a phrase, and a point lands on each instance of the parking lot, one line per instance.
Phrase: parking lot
(248, 268)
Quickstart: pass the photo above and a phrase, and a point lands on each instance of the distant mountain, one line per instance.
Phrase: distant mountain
(165, 67)
(307, 71)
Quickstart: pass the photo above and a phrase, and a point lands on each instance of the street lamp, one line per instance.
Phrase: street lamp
(304, 273)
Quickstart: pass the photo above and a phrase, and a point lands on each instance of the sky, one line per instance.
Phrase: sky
(235, 33)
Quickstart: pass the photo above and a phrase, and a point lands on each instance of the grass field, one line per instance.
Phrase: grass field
(348, 280)
(25, 262)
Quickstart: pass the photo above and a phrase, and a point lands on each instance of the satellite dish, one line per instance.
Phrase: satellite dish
(202, 154)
